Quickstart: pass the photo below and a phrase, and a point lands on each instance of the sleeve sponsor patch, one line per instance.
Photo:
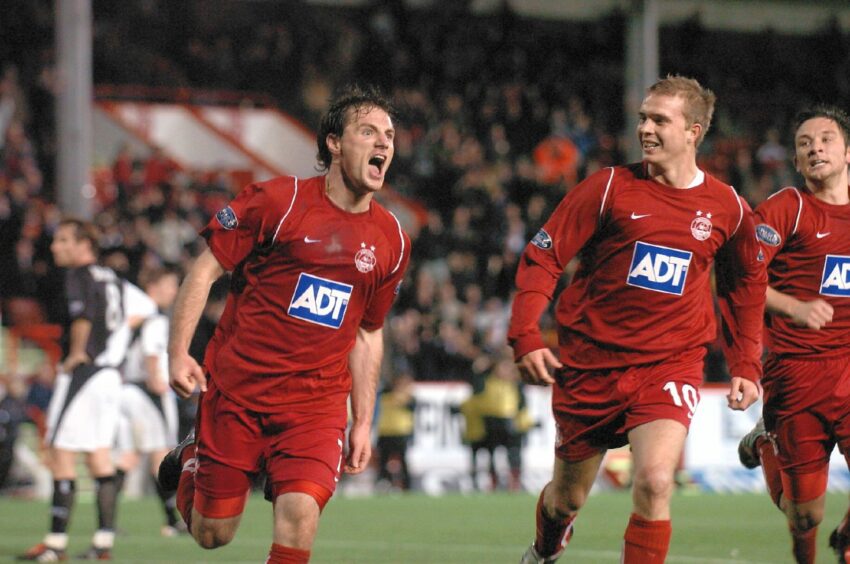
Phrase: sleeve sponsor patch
(76, 307)
(542, 240)
(227, 218)
(768, 235)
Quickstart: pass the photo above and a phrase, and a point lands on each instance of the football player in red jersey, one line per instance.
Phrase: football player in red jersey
(803, 232)
(635, 320)
(316, 264)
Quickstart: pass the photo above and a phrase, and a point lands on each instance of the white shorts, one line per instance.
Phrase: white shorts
(84, 411)
(146, 426)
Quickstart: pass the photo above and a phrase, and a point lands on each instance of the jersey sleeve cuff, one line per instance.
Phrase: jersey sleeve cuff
(370, 326)
(747, 373)
(524, 345)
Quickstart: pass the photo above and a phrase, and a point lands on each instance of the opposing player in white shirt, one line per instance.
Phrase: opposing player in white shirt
(84, 410)
(149, 417)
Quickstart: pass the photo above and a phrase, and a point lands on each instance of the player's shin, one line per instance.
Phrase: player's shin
(64, 492)
(107, 496)
(553, 534)
(804, 509)
(803, 545)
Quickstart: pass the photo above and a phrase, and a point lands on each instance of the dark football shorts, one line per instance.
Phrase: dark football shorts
(807, 410)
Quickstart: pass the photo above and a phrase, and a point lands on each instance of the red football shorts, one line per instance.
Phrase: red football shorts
(595, 409)
(807, 410)
(234, 444)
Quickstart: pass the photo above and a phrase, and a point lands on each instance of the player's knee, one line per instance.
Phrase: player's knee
(566, 504)
(804, 519)
(211, 536)
(212, 539)
(653, 483)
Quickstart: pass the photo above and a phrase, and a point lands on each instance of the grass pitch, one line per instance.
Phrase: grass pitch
(483, 528)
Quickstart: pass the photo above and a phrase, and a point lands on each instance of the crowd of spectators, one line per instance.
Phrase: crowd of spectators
(501, 116)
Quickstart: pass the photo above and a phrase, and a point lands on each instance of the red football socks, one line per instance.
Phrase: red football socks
(803, 545)
(280, 554)
(552, 534)
(770, 468)
(647, 542)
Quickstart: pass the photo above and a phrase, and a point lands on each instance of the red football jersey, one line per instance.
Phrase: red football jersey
(807, 247)
(643, 288)
(306, 275)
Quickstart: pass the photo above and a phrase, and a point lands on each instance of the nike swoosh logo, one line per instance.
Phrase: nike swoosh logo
(308, 240)
(636, 216)
(820, 235)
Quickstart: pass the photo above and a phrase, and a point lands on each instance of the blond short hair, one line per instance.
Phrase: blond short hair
(699, 101)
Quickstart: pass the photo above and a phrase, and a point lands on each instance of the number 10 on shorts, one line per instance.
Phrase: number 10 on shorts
(688, 393)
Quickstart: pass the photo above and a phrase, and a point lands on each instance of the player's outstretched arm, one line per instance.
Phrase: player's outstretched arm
(813, 314)
(184, 372)
(364, 361)
(742, 393)
(535, 366)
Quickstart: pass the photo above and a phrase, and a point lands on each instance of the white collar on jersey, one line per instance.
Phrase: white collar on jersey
(698, 179)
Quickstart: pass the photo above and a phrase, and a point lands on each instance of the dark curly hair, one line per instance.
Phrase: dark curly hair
(351, 97)
(833, 113)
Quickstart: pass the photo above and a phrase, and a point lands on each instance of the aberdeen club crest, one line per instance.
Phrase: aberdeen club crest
(701, 226)
(365, 259)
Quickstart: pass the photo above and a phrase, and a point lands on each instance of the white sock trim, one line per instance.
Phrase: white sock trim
(103, 538)
(56, 541)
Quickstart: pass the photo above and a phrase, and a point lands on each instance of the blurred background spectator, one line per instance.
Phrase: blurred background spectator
(396, 406)
(496, 419)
